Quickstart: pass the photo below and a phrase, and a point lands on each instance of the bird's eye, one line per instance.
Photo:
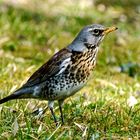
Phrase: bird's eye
(96, 31)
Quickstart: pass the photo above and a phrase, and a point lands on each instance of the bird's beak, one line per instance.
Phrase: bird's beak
(108, 30)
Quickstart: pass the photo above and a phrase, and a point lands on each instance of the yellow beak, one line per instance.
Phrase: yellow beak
(108, 30)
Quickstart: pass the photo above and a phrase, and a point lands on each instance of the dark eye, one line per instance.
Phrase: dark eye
(96, 31)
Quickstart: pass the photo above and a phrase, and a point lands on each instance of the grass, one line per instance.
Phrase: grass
(29, 37)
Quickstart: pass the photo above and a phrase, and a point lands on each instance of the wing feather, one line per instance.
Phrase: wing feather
(55, 66)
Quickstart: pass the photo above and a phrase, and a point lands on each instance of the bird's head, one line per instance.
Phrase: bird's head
(90, 35)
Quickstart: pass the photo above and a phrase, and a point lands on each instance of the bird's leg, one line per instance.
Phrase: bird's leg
(60, 108)
(50, 104)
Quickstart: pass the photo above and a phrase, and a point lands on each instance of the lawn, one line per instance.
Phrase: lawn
(108, 107)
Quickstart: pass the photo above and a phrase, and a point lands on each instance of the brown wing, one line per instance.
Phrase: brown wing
(50, 68)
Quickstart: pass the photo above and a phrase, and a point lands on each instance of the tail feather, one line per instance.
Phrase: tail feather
(10, 97)
(19, 94)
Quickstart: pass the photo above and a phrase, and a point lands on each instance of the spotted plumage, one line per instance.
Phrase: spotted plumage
(66, 72)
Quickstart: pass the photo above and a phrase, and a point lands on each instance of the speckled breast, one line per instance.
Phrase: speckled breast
(73, 78)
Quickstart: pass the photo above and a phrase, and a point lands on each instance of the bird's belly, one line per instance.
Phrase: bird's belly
(69, 90)
(61, 88)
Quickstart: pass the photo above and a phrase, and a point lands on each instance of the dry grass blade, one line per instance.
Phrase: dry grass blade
(54, 132)
(15, 127)
(84, 133)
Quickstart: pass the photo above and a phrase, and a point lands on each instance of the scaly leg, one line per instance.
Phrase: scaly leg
(60, 108)
(50, 104)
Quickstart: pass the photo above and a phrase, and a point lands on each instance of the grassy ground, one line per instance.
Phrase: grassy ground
(30, 34)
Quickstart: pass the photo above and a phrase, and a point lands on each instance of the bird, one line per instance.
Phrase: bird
(66, 72)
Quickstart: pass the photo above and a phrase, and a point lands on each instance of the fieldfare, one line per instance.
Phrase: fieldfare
(66, 72)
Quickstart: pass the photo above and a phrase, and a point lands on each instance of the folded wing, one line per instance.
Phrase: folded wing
(55, 66)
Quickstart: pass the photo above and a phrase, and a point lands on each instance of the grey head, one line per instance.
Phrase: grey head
(92, 35)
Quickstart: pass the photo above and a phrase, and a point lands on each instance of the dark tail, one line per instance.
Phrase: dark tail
(19, 94)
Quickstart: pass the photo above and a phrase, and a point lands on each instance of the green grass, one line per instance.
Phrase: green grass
(29, 37)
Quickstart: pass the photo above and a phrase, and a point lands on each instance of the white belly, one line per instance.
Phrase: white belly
(69, 90)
